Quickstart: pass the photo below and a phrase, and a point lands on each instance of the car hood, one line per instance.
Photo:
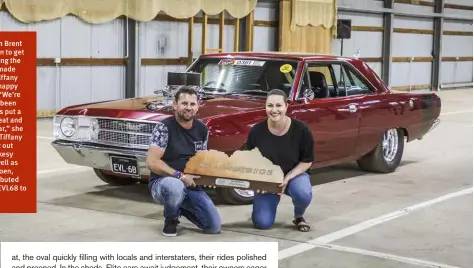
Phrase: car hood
(155, 108)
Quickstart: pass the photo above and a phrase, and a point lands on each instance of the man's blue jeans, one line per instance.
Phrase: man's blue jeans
(265, 205)
(194, 204)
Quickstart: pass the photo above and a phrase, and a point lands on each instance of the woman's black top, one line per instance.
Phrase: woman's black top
(286, 151)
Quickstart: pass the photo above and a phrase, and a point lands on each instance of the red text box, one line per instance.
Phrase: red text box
(17, 122)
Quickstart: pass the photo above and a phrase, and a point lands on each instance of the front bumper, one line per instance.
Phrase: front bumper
(435, 124)
(98, 157)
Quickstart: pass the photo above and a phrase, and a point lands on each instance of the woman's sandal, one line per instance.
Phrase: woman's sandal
(301, 224)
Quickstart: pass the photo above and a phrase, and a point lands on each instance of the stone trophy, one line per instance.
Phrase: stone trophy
(243, 170)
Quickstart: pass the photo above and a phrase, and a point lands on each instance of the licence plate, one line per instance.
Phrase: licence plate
(124, 165)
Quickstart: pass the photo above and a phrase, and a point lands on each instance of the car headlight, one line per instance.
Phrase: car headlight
(68, 126)
(77, 128)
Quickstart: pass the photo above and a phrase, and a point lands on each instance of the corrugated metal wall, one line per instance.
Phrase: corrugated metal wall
(265, 38)
(160, 39)
(367, 43)
(70, 37)
(416, 73)
(411, 45)
(165, 39)
(85, 84)
(457, 46)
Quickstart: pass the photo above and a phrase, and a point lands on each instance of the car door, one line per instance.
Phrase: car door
(377, 112)
(332, 118)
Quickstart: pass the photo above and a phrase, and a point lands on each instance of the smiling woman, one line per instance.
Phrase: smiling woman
(288, 143)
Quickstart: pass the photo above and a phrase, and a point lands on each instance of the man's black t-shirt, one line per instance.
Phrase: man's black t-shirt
(286, 151)
(180, 144)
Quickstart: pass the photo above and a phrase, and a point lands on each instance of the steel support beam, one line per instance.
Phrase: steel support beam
(437, 46)
(243, 34)
(403, 14)
(131, 57)
(276, 38)
(387, 41)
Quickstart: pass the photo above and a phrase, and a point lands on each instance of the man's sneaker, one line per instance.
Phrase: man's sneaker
(170, 227)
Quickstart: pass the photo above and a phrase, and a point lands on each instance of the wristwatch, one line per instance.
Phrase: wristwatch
(178, 174)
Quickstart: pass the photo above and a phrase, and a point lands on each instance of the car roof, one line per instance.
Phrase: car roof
(280, 55)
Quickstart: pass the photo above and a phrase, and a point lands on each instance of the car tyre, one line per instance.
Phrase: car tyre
(115, 180)
(235, 196)
(387, 155)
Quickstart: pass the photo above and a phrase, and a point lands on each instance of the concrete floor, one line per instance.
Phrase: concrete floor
(76, 206)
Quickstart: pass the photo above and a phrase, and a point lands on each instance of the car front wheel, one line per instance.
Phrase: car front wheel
(387, 155)
(235, 196)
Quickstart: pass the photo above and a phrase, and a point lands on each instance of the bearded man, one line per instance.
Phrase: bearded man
(174, 140)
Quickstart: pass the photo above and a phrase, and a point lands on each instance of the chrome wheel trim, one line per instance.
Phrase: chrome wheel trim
(244, 193)
(390, 144)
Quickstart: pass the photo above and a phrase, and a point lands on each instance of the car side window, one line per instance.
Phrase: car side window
(341, 77)
(354, 83)
(325, 80)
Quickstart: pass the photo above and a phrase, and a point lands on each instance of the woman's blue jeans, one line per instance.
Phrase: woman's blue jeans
(265, 205)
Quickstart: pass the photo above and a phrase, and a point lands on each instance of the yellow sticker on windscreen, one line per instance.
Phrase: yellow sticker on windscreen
(286, 68)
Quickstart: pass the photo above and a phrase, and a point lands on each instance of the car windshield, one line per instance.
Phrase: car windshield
(245, 76)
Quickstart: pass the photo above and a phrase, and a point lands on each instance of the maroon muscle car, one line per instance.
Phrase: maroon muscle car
(352, 114)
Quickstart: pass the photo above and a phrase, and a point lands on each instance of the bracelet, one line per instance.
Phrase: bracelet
(177, 174)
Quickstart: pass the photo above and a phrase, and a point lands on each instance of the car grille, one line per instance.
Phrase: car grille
(124, 133)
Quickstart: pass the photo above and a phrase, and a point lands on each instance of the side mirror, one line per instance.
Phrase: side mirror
(354, 89)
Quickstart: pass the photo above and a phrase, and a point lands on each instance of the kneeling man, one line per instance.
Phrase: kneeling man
(174, 140)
